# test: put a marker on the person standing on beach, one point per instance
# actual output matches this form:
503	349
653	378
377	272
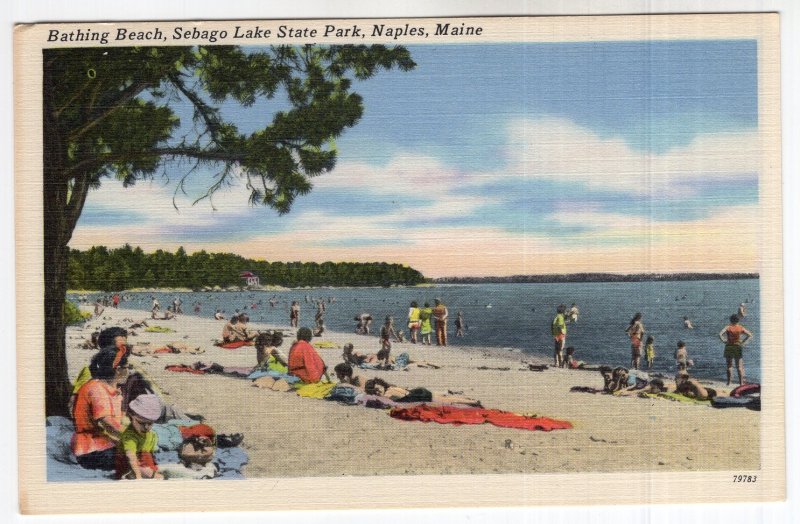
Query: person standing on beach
460	324
558	328
425	328
413	321
440	314
650	351
635	331
294	314
115	300
735	336
156	307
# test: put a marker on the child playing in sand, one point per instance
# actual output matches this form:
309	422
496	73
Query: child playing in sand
682	356
650	351
138	442
572	363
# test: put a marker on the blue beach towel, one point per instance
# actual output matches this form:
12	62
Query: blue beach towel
291	379
63	467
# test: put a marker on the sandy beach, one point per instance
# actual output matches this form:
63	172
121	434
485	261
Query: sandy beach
289	436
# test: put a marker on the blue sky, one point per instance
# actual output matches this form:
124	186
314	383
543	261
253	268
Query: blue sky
600	148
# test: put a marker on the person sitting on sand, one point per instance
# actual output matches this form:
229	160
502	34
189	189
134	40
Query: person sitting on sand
229	330
381	388
572	363
304	361
689	387
267	353
236	330
351	357
114	339
345	375
138	443
97	412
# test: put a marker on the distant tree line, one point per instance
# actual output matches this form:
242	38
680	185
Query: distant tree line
104	269
595	277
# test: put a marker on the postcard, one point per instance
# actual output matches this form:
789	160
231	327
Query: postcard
399	263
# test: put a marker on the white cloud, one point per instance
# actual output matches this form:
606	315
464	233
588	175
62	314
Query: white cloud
546	148
557	148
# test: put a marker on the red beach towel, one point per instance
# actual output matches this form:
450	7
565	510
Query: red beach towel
183	368
458	416
237	344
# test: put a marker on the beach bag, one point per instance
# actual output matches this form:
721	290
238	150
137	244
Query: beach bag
343	394
196	450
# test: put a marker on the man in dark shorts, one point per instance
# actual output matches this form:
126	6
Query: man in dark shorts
735	336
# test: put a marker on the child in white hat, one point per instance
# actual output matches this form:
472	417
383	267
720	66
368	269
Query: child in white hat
138	443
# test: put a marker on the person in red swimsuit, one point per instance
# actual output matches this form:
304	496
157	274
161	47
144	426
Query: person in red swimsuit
734	335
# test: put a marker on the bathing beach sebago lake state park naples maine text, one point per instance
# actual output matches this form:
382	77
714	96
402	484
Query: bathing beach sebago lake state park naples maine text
257	34
498	260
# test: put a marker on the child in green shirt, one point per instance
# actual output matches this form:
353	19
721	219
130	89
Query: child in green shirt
138	443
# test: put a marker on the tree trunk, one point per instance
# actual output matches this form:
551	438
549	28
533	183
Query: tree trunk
57	384
57	387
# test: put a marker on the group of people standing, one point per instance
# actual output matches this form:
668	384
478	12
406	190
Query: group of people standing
734	336
420	322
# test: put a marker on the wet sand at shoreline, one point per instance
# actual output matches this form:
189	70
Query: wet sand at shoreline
289	436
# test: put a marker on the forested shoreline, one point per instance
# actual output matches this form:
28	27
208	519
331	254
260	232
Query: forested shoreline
594	277
103	269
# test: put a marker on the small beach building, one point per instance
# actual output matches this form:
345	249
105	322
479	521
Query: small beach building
251	278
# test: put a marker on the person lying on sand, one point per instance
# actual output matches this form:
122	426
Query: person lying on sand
690	387
356	359
346	376
381	388
620	379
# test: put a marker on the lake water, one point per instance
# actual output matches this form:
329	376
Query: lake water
519	315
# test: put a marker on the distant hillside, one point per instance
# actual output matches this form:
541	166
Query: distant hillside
594	277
